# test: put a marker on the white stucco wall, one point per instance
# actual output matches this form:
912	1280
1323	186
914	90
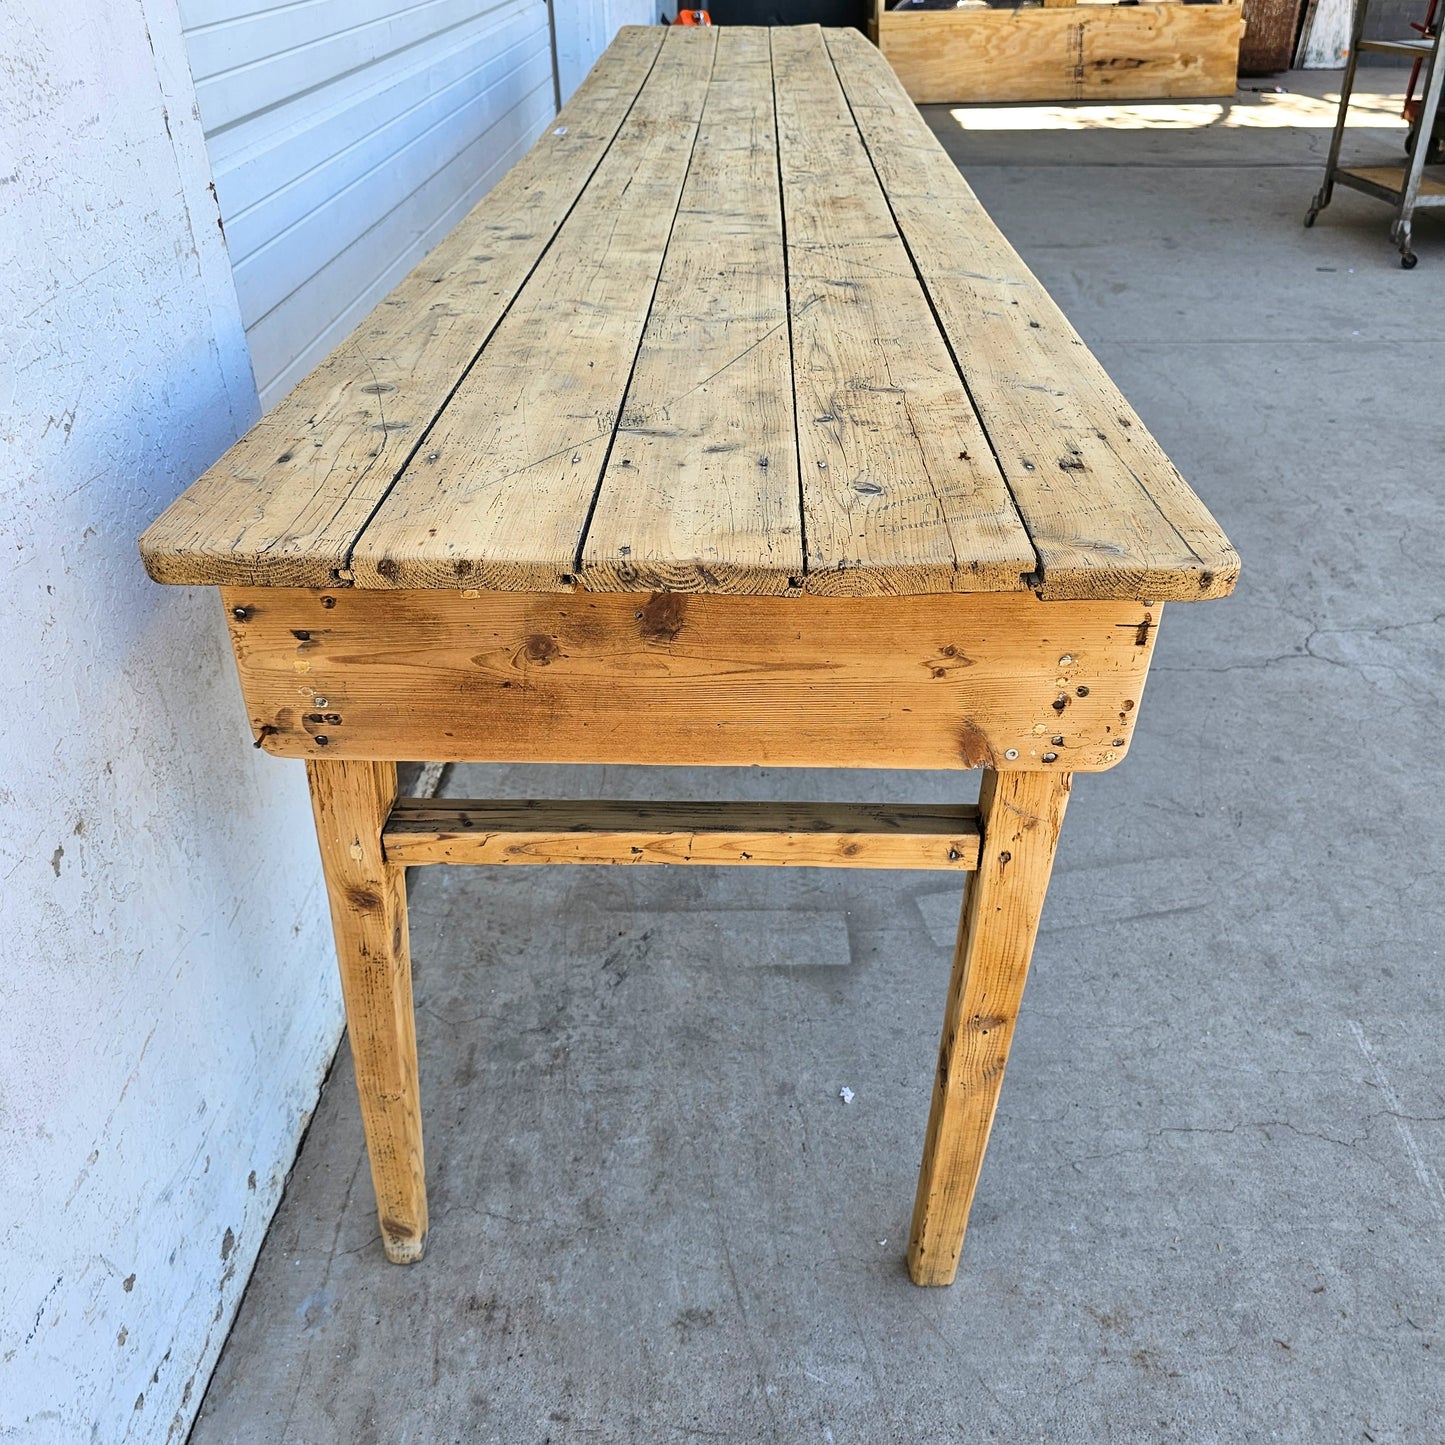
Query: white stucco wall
167	992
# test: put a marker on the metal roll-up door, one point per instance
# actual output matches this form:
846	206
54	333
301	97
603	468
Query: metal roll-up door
347	137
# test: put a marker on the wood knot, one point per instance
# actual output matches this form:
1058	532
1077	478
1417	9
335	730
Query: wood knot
661	616
974	749
541	649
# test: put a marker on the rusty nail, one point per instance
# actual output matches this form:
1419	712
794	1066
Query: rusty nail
1082	691
321	740
1057	740
328	602
1117	743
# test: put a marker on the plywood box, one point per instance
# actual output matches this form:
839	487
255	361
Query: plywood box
1062	51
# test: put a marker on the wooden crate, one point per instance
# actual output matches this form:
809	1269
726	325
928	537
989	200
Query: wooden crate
1063	51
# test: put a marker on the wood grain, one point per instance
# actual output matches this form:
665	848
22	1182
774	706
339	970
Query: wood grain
701	488
816	835
949	681
351	801
1064	52
1105	508
901	493
500	493
285	504
1021	815
730	328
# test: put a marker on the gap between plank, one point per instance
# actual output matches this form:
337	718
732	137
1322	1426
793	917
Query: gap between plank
1035	579
647	316
1139	483
492	331
788	312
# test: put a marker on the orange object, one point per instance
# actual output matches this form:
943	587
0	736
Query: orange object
693	17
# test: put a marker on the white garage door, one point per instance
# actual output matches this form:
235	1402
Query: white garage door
346	138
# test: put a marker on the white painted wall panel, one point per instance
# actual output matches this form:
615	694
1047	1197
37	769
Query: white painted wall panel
346	138
410	231
585	29
168	993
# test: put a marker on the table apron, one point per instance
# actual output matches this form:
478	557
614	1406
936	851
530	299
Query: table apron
945	681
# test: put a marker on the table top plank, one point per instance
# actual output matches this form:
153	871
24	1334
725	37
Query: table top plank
701	489
1103	504
736	324
900	490
500	491
286	503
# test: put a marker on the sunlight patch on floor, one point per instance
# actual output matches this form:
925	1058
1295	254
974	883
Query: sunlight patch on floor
1263	111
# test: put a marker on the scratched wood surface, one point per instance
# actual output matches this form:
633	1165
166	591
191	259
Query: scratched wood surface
819	835
945	681
735	325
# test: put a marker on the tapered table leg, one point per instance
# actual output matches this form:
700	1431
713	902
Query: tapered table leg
368	912
1020	815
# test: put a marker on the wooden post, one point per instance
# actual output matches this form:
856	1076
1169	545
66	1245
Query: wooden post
1020	814
368	912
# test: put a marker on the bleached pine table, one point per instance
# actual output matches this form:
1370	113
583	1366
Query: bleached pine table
726	430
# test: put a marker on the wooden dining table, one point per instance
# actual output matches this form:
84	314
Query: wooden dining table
726	430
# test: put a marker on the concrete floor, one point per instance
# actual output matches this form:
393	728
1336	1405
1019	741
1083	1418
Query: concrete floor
1213	1206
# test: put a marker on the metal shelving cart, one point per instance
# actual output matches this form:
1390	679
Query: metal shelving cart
1407	188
